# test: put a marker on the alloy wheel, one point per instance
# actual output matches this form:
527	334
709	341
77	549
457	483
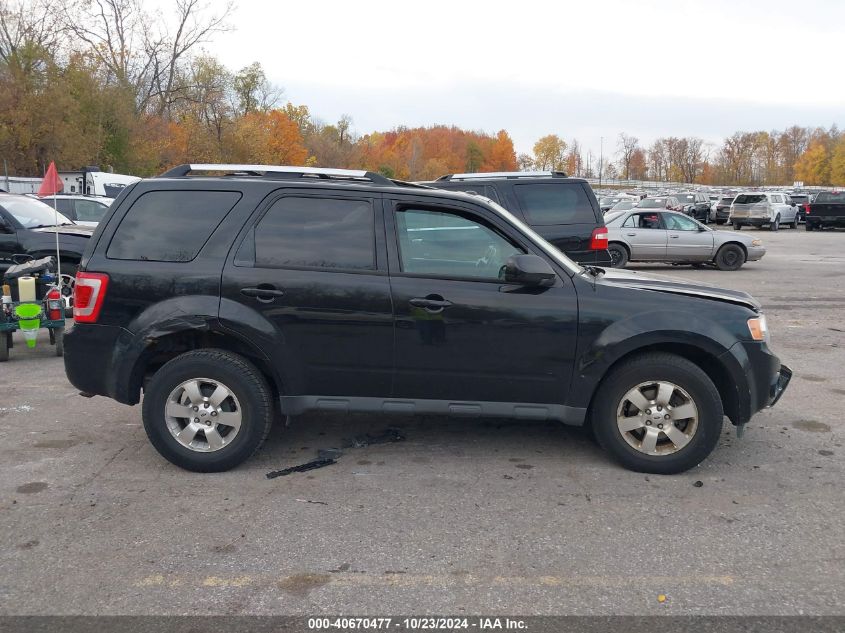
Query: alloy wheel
203	415
657	418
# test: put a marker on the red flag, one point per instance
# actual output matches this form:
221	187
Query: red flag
51	184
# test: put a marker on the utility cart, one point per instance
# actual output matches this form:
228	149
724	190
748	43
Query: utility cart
31	301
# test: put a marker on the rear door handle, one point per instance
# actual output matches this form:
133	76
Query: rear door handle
430	304
674	237
263	292
631	234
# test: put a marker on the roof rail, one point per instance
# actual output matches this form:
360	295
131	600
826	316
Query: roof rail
281	171
504	174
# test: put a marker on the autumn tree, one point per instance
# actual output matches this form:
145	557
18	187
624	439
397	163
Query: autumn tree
550	153
837	164
813	166
265	138
502	156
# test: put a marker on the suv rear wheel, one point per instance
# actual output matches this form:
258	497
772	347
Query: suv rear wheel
207	410
618	255
657	413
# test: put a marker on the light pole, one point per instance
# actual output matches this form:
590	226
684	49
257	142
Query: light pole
601	159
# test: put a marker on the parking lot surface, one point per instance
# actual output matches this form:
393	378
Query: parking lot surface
462	517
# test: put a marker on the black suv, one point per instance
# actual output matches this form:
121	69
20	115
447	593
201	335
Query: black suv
270	291
563	210
723	209
695	205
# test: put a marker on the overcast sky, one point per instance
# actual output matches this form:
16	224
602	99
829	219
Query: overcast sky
582	69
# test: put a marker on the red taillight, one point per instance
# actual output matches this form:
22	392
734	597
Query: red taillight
54	304
598	240
88	294
806	208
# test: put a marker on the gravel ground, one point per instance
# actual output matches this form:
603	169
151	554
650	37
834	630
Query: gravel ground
462	517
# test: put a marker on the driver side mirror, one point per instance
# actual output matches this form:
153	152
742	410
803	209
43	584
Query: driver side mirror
5	227
529	270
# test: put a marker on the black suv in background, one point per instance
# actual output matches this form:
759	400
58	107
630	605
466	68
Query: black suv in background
723	209
563	210
277	290
695	205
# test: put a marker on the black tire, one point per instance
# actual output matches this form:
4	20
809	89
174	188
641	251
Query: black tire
244	381
59	340
729	257
737	226
4	347
774	226
618	255
657	367
794	223
808	227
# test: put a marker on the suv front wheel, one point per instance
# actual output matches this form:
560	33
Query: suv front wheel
657	413
207	410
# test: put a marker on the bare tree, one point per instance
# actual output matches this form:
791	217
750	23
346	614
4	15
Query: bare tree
627	145
150	62
27	31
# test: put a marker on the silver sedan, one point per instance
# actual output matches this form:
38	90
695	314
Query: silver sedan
653	235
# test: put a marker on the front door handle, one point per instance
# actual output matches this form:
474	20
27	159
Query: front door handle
265	293
631	234
674	237
432	303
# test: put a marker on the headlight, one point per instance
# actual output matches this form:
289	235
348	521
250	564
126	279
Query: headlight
758	328
756	242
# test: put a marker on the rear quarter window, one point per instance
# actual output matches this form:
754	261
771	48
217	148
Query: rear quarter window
170	226
547	204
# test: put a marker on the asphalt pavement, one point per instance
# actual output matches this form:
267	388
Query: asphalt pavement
462	517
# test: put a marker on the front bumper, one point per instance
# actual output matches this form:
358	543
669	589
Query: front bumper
755	253
780	384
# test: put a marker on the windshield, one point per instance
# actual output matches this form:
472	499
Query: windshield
550	250
726	200
32	213
754	198
686	198
623	205
652	203
608	201
613	217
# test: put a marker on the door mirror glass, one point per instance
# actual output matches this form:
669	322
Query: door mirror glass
529	270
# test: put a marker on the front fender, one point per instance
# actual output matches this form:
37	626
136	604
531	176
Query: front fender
663	328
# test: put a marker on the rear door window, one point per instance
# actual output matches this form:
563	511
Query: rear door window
170	226
306	232
548	204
